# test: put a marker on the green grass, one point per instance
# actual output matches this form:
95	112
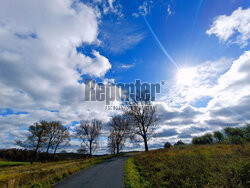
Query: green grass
43	174
11	163
190	166
132	176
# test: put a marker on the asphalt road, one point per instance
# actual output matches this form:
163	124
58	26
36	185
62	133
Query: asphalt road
107	174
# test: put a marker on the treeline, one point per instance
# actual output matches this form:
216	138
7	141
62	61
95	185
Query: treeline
137	123
228	136
25	155
45	137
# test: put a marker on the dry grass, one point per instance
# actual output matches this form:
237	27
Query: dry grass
193	166
43	174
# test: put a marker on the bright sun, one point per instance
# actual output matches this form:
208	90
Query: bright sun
185	76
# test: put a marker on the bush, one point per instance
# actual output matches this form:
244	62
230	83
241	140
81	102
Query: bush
167	145
179	143
237	135
218	136
205	139
247	132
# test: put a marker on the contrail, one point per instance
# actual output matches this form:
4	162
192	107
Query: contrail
161	46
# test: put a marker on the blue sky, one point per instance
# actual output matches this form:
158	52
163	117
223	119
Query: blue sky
182	34
199	47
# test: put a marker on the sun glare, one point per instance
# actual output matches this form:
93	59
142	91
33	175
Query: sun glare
185	76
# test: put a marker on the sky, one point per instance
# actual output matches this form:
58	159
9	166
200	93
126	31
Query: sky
200	48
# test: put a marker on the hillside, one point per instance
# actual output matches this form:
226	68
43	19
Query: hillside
190	166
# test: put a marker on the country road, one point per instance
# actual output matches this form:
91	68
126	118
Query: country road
106	174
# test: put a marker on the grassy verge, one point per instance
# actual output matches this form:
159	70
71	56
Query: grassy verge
132	176
43	174
191	166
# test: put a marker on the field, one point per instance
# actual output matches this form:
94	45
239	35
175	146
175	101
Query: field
191	166
10	163
22	174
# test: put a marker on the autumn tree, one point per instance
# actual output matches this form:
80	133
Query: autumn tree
119	130
36	139
89	132
142	116
52	129
61	139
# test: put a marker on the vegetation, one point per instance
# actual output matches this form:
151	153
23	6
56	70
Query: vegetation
167	145
49	135
24	155
89	132
42	174
131	174
119	130
11	163
142	117
179	143
191	166
232	136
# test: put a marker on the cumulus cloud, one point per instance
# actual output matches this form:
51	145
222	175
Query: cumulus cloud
234	28
228	89
40	68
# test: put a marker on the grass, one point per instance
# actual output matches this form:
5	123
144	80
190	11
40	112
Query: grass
131	174
190	166
43	174
10	163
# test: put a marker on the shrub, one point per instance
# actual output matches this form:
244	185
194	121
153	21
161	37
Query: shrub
167	145
179	143
236	135
205	139
218	136
247	132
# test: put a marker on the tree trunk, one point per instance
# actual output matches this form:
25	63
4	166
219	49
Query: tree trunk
145	137
90	148
145	143
34	155
54	154
118	149
47	151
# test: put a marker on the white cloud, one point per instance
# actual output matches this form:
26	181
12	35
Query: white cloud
40	67
124	66
169	10
119	36
145	8
97	66
234	28
233	90
226	82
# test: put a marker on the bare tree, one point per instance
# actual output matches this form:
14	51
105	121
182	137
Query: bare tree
119	130
88	132
111	143
143	119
